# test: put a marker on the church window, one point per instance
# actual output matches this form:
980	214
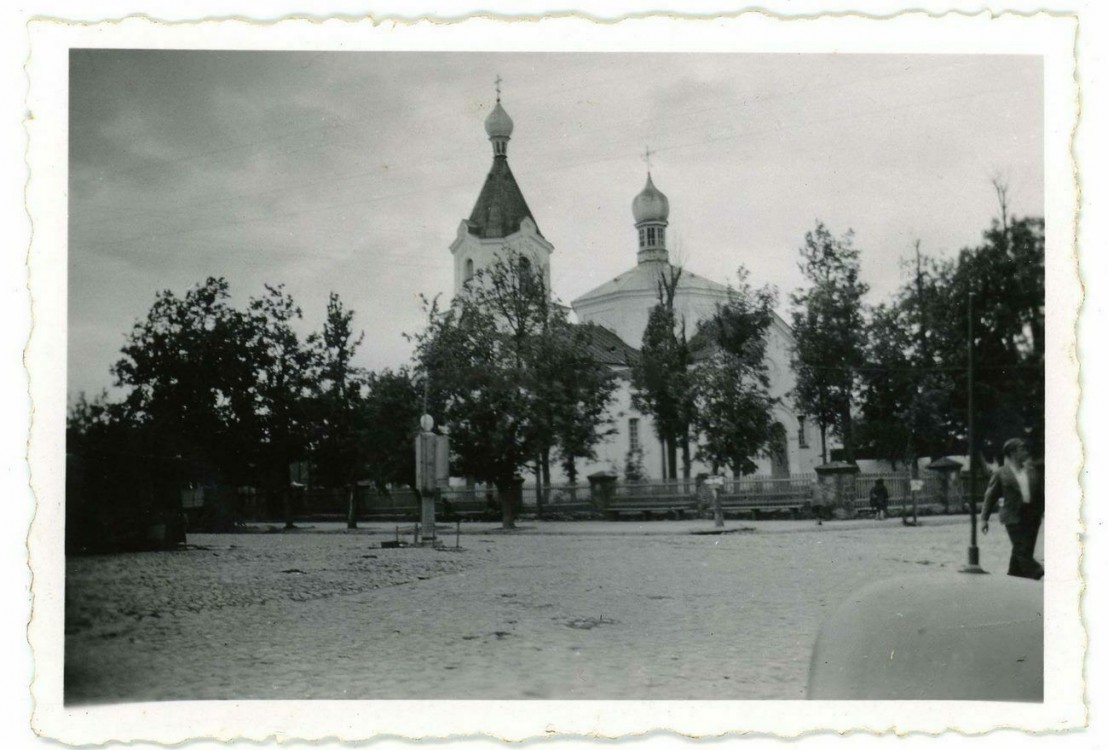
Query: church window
642	238
469	268
661	236
633	434
801	432
650	236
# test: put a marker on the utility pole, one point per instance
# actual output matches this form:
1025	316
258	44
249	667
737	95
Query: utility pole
973	564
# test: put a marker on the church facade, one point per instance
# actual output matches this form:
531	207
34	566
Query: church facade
502	222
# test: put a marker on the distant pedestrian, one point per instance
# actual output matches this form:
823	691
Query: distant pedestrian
1018	488
879	500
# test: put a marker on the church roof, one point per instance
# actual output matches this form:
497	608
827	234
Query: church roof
606	347
500	207
643	277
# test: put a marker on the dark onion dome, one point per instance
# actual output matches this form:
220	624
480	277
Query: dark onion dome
498	124
651	204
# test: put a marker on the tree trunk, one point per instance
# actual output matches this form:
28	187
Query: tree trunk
506	490
351	506
823	440
686	459
288	509
538	486
671	459
848	437
545	480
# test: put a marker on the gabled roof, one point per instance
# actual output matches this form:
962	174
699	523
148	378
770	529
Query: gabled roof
606	347
500	207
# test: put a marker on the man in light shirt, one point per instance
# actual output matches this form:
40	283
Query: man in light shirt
1017	487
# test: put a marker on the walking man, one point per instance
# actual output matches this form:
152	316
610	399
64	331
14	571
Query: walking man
1018	487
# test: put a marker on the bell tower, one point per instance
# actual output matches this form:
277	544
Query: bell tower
501	219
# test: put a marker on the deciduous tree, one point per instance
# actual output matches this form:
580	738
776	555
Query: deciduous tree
829	332
733	404
661	378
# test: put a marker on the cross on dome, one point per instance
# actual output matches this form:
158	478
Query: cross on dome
646	158
498	125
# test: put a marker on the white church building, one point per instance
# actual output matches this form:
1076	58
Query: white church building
501	221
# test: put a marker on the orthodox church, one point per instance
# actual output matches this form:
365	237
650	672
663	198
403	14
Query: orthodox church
619	309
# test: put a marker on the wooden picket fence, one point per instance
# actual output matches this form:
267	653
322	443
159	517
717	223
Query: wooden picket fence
793	495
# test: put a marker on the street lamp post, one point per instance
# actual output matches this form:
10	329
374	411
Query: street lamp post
973	564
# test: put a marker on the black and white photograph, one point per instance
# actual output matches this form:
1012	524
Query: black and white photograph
442	374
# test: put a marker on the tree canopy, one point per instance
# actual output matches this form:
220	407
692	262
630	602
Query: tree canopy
510	376
829	332
734	409
915	387
661	378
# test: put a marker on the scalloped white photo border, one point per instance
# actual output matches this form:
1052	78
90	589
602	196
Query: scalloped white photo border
1052	36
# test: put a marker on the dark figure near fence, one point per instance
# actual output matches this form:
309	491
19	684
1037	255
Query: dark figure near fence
879	500
1018	488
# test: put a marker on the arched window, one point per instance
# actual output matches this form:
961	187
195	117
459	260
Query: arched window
469	269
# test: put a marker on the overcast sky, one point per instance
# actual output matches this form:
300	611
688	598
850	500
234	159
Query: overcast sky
350	172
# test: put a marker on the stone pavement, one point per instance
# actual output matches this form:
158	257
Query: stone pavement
589	610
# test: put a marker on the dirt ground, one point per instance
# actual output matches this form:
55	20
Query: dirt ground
588	610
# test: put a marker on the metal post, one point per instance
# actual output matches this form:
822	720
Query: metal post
973	564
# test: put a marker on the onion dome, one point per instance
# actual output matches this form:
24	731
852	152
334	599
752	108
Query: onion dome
498	124
651	204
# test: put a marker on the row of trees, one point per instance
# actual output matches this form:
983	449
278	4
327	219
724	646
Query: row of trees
891	380
236	396
888	381
217	393
517	384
